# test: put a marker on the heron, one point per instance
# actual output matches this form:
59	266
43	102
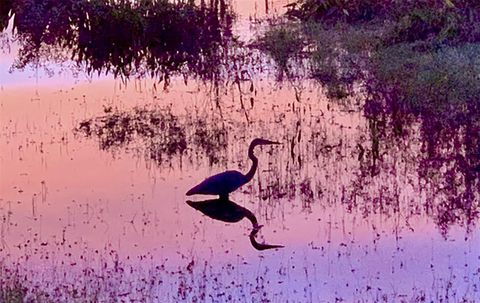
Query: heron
223	184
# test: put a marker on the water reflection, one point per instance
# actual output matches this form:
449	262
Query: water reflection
228	211
156	133
443	149
303	193
378	163
261	246
224	210
357	195
419	129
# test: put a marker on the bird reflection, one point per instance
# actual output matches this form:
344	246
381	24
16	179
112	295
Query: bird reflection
227	211
260	246
224	183
224	210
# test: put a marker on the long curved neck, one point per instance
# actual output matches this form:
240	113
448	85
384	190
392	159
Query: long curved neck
253	169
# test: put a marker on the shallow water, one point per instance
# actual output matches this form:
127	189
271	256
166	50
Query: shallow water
68	205
102	213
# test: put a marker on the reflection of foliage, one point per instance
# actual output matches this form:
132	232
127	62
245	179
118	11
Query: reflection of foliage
160	130
442	88
211	140
419	75
157	132
446	157
127	38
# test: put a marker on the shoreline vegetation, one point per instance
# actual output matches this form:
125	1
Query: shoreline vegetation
415	65
129	39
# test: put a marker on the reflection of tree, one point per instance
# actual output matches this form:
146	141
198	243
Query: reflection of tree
212	141
450	165
160	129
126	38
446	160
402	162
398	164
422	112
158	134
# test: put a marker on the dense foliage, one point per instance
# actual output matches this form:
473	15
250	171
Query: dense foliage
127	38
416	66
416	19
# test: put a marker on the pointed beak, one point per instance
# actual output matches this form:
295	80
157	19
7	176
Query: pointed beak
271	142
260	141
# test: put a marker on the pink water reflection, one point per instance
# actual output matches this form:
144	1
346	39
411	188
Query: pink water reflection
65	200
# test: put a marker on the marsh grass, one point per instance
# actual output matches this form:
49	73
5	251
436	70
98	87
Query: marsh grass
283	43
12	290
197	280
444	81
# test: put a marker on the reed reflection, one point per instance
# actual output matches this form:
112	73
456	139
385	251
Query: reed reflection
228	211
157	134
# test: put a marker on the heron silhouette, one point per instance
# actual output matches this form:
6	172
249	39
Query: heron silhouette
224	183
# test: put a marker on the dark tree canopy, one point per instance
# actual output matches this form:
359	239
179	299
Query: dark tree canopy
147	37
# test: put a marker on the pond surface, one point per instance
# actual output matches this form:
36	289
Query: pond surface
92	197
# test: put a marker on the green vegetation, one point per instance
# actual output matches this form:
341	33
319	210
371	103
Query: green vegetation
349	40
439	81
282	43
425	52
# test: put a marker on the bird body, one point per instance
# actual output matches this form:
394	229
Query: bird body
223	184
220	184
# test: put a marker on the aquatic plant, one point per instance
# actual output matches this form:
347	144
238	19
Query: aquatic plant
282	43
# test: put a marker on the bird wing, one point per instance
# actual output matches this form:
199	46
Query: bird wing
219	184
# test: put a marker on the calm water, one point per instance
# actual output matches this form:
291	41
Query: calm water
102	212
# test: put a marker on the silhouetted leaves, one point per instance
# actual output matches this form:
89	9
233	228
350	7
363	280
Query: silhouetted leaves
126	38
